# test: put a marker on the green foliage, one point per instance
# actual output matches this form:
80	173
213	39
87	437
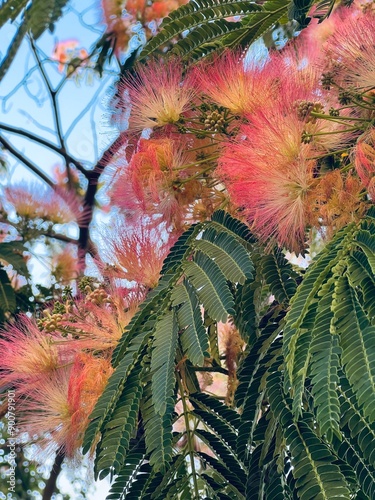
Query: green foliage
194	341
153	332
7	295
302	422
207	24
205	19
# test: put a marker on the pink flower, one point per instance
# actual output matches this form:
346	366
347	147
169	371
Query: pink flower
352	48
87	381
267	172
46	413
158	94
137	255
364	155
55	411
58	205
227	82
67	50
150	184
27	354
66	265
97	324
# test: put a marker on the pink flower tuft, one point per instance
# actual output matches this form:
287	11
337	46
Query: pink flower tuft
150	183
65	265
27	354
158	94
352	48
364	155
87	381
268	173
137	255
58	205
228	82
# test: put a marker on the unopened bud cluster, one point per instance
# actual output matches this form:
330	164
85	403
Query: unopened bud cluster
305	108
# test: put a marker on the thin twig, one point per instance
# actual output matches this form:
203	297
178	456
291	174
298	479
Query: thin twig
56	115
14	152
43	142
56	469
215	369
103	162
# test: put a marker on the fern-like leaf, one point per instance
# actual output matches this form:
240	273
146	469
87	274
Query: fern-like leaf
194	339
361	276
357	343
10	10
134	468
119	430
158	432
316	474
221	419
225	457
361	430
114	389
42	14
211	286
325	359
306	297
196	13
7	294
233	260
349	452
279	276
163	362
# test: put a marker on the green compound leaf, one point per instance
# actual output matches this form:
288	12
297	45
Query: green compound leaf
163	362
194	338
211	286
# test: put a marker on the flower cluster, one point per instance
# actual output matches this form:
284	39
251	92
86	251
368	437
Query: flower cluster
61	363
288	143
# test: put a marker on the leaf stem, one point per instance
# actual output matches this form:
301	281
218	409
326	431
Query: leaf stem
189	436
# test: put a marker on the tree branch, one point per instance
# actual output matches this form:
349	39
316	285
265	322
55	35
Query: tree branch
217	369
55	471
89	201
56	115
61	237
47	144
14	152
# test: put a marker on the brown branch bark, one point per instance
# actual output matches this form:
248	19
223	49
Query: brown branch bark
84	242
52	480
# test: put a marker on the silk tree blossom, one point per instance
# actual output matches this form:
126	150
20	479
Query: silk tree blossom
158	94
87	381
67	51
58	205
337	200
56	410
352	49
27	354
268	173
65	264
96	324
157	182
46	413
137	255
226	81
364	160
